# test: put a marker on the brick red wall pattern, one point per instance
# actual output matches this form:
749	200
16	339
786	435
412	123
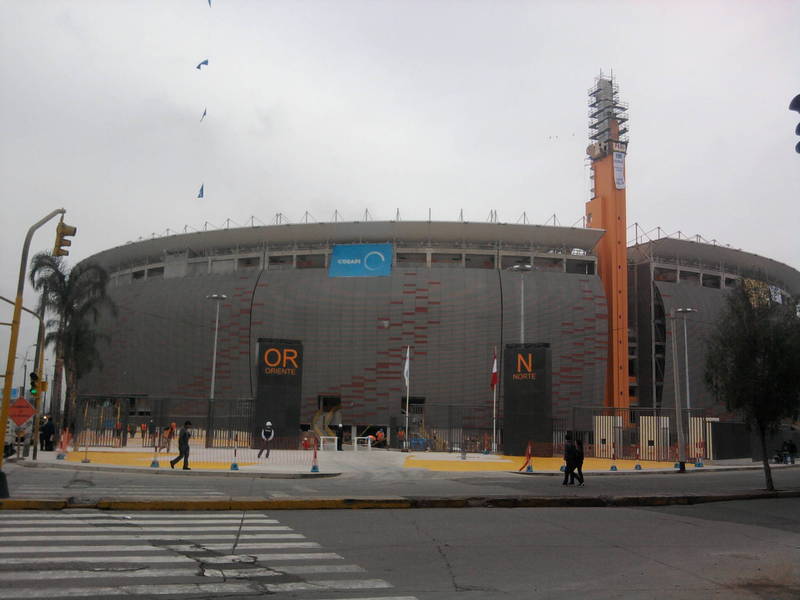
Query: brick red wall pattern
354	332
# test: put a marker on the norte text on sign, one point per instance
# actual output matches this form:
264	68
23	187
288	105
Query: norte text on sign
524	366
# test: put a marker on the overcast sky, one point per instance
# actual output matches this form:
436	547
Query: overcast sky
385	105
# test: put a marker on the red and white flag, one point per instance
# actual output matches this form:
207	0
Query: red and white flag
407	366
494	371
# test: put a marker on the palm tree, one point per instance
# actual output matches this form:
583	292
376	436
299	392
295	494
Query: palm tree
75	298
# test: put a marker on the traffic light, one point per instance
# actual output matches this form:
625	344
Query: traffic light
34	387
62	231
795	105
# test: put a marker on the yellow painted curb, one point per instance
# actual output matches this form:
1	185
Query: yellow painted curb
162	504
338	503
250	504
22	504
541	464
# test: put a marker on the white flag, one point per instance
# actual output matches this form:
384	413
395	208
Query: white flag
407	365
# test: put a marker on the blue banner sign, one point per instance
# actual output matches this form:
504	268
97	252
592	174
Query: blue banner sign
361	260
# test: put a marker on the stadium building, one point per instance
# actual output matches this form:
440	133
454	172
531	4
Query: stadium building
317	320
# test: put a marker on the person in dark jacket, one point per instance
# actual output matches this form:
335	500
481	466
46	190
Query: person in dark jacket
46	434
183	446
578	464
267	433
570	458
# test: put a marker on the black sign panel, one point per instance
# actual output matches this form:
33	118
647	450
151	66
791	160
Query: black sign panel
527	408
280	386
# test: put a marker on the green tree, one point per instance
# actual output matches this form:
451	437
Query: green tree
74	297
753	362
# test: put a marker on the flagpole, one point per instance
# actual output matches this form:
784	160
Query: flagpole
494	407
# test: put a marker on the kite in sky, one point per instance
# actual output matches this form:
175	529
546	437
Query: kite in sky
205	62
200	194
204	115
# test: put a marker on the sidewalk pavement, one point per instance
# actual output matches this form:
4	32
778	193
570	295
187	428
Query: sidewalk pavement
300	462
376	479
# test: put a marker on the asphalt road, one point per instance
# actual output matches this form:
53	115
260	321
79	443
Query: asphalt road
26	482
731	550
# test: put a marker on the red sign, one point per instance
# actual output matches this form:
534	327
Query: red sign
20	411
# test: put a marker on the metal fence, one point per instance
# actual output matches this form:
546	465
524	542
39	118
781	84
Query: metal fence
151	424
121	422
635	433
447	428
223	431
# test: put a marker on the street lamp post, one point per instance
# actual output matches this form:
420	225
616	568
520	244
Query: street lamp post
676	380
209	437
520	268
683	312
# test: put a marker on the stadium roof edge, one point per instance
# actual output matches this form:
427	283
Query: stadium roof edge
747	263
545	236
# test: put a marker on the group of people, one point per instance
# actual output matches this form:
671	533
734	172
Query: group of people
788	452
573	457
185	434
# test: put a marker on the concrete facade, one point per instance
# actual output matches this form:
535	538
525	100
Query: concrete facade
355	330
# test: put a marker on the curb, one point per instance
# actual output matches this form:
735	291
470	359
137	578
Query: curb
700	471
173	472
222	504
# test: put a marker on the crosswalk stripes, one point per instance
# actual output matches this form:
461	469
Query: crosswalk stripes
91	554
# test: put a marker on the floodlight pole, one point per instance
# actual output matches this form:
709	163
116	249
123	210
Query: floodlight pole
684	312
677	391
494	405
12	344
209	437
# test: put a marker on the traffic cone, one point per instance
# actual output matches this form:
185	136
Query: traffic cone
613	458
62	445
528	464
314	462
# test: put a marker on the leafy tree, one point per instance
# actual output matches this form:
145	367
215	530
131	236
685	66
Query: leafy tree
753	362
74	297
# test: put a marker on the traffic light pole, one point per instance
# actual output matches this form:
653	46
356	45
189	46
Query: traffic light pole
37	418
12	344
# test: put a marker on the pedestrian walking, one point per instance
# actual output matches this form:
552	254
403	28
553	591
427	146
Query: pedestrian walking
46	435
570	458
267	433
578	472
792	449
183	446
165	439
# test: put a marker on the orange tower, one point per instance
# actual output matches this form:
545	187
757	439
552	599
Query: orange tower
606	210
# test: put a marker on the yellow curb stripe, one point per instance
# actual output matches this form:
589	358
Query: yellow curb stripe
31	504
